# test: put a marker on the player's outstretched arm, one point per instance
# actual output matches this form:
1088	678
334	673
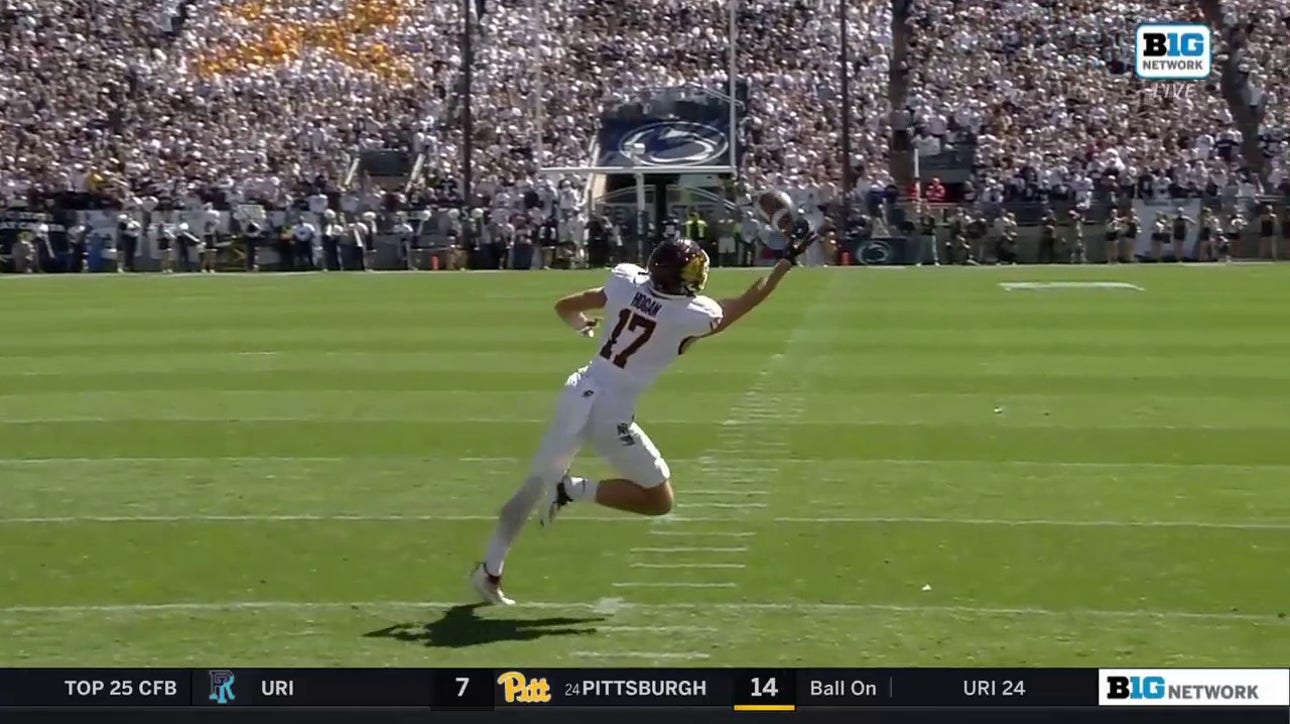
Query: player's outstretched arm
800	237
572	309
734	308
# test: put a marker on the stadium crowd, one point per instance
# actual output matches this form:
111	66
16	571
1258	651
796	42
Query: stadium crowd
260	98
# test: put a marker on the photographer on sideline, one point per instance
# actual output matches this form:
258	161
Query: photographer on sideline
128	233
24	253
186	240
163	239
253	235
303	238
368	257
406	236
333	240
928	248
76	236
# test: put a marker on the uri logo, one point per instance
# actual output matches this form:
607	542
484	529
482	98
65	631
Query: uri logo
222	686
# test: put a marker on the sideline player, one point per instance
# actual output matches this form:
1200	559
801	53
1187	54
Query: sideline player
656	314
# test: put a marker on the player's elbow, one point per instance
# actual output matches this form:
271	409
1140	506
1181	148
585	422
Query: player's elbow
584	301
568	306
733	310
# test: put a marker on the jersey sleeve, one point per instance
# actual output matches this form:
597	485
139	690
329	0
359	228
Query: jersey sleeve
628	272
622	283
707	315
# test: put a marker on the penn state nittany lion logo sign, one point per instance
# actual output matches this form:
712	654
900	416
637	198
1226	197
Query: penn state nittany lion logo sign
676	143
875	252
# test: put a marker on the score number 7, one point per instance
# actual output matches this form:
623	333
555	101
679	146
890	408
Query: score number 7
630	321
464	681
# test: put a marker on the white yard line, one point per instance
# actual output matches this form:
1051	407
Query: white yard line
703	533
620	606
747	424
1041	522
688	565
658	629
215	459
856	520
304	517
691	549
1040	286
321	417
670	584
661	655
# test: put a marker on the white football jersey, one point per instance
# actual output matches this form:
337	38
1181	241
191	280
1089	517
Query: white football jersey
644	329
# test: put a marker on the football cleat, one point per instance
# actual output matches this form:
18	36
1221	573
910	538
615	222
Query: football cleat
489	587
556	498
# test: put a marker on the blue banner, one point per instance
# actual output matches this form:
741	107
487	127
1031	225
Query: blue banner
688	134
883	251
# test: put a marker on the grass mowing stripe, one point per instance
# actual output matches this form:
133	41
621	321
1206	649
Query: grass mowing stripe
620	606
1093	465
855	520
188	418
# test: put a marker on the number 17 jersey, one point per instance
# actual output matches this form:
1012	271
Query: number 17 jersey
644	331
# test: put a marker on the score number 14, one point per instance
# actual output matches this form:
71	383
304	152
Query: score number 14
767	688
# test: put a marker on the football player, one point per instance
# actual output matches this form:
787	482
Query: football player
654	316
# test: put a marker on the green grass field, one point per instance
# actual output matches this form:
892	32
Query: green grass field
907	467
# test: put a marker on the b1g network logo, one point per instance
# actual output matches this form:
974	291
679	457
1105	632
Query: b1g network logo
1194	687
1173	51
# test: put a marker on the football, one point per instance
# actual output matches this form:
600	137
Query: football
776	209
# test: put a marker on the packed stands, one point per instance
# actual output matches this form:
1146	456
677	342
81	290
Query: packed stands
258	97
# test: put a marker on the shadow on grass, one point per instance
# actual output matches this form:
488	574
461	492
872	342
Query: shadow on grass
459	627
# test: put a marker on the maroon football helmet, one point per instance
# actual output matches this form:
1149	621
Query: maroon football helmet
678	266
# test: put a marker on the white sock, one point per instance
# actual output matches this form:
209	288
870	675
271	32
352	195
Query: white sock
510	521
581	489
496	558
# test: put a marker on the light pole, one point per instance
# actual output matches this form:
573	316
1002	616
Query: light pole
467	117
634	154
846	113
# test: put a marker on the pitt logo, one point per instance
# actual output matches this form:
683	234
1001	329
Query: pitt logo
517	689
